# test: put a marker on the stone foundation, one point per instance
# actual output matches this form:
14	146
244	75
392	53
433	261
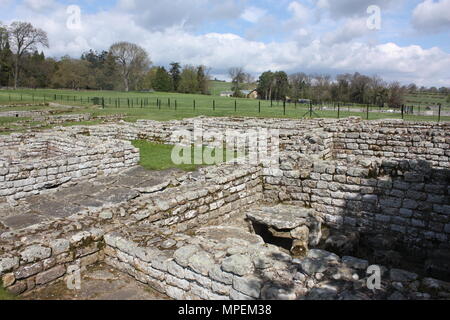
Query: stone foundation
30	163
384	178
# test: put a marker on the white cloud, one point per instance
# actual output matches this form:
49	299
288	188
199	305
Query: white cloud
39	5
353	28
300	12
349	8
334	53
253	14
432	16
161	14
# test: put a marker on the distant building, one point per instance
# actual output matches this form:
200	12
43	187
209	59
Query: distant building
250	94
228	94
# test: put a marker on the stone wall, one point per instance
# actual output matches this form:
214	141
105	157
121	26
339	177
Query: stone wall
220	194
216	195
44	258
406	199
395	139
204	268
306	137
30	163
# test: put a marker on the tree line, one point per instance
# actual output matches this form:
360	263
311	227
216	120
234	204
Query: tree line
124	66
128	67
347	88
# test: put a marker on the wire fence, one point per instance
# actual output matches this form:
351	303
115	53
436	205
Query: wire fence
210	106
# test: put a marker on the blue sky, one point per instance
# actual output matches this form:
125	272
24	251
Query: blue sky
312	36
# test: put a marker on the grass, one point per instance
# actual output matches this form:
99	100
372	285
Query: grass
9	120
219	86
427	99
159	156
5	295
180	106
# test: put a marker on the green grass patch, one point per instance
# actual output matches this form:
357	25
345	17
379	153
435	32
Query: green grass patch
9	120
4	294
158	157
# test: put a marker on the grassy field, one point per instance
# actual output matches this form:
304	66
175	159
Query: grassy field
219	86
427	99
172	106
159	156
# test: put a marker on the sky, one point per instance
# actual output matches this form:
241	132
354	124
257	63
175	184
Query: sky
398	40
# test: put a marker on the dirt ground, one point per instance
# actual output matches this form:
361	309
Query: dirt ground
99	282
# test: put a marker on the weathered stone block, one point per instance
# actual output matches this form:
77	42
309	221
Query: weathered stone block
35	253
50	275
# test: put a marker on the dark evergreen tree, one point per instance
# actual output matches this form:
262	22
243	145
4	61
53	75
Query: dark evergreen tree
162	81
175	74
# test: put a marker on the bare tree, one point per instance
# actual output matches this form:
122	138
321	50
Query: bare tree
300	83
24	38
238	77
378	94
396	95
133	60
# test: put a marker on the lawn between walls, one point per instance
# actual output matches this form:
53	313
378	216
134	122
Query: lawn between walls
158	157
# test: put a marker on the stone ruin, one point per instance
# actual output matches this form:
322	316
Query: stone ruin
345	195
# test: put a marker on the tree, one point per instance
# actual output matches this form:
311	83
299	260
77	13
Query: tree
189	80
102	69
412	88
443	90
133	62
203	79
359	88
378	94
162	81
344	81
37	71
5	57
148	79
299	85
72	74
238	78
396	95
266	83
175	74
24	38
281	85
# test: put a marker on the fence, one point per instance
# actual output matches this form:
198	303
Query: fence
210	106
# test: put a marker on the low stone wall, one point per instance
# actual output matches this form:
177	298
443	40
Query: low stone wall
406	199
203	269
395	139
23	114
215	196
33	162
41	261
307	137
221	193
